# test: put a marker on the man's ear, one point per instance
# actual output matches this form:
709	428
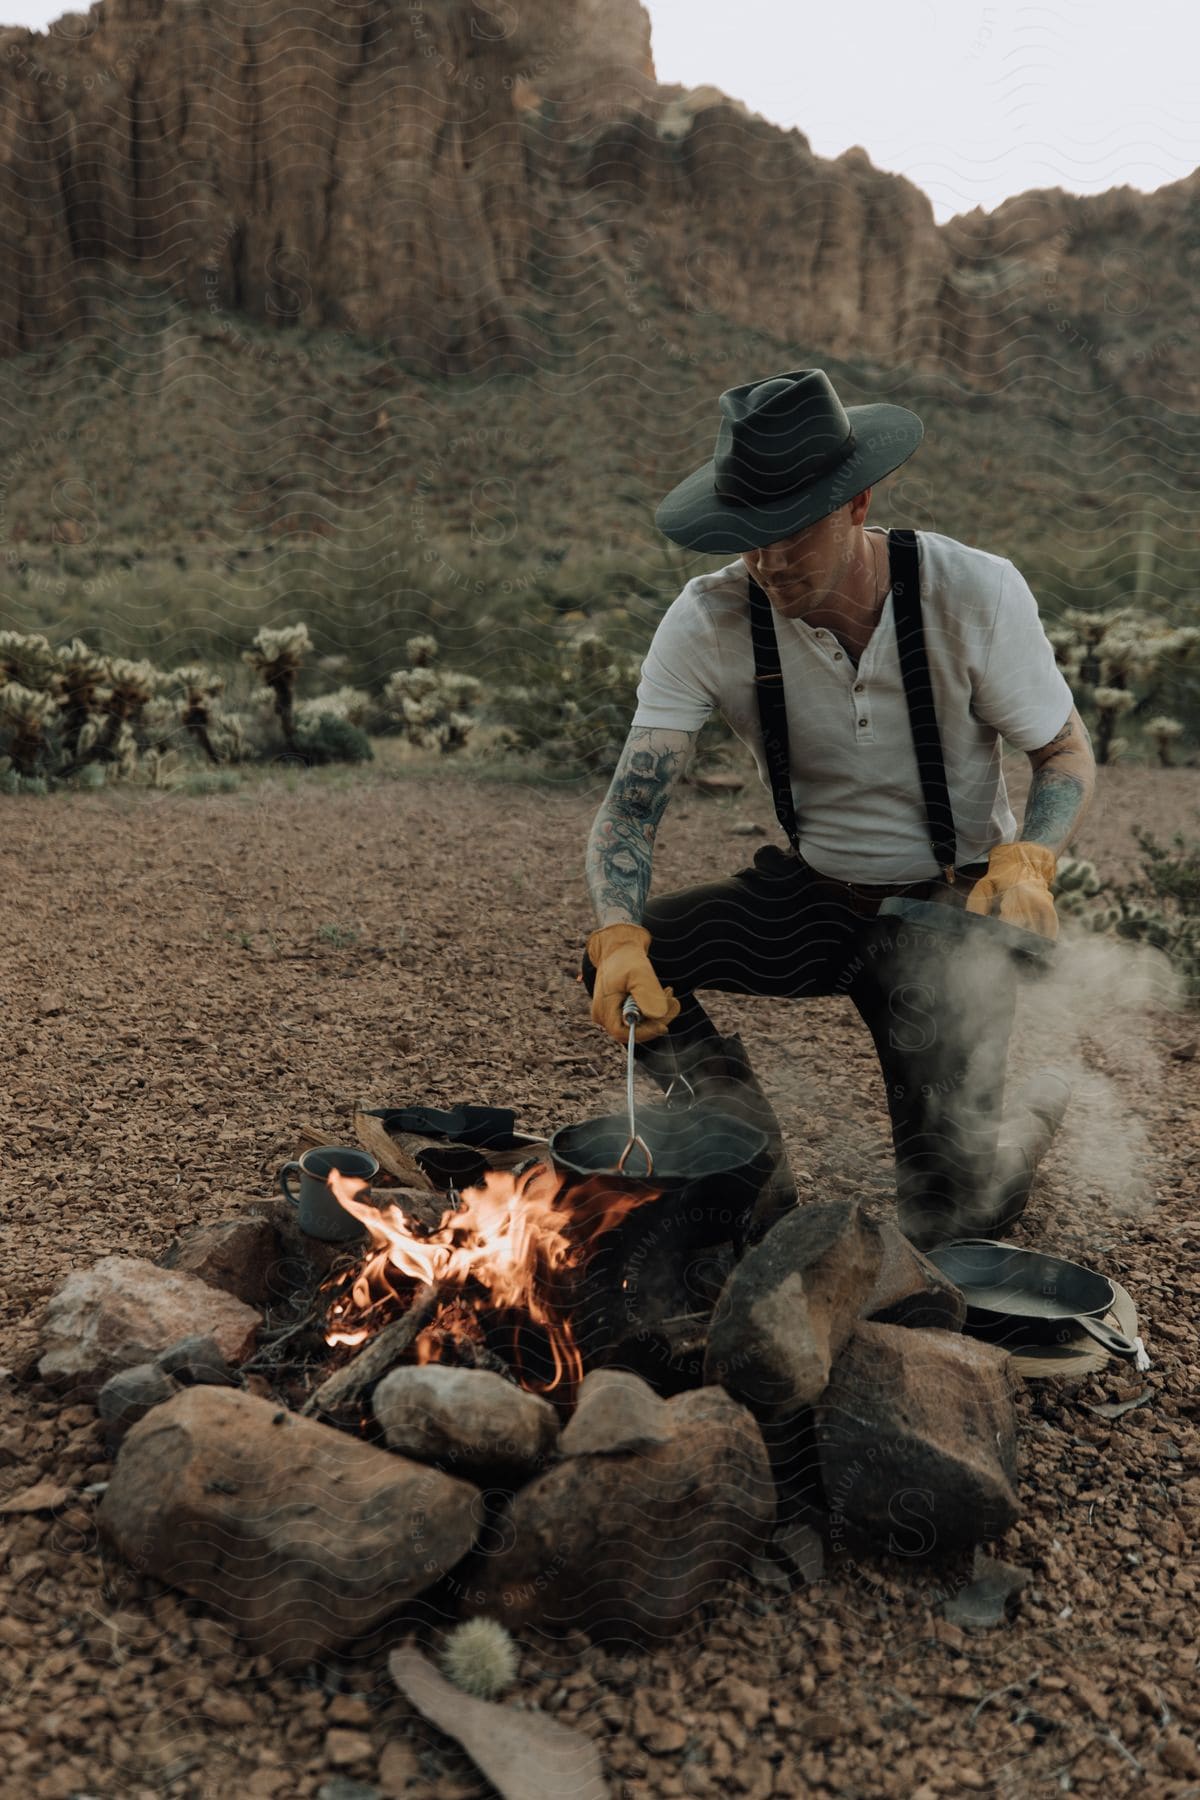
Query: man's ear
859	505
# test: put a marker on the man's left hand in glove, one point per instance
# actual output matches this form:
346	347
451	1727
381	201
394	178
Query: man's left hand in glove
1016	887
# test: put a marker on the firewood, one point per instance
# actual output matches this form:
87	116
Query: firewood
389	1155
350	1386
312	1139
425	1206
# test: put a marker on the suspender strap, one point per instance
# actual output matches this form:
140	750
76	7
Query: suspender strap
772	711
918	691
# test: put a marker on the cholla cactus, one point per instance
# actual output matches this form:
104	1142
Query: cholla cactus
431	706
1163	732
573	706
1161	909
277	656
410	684
1123	652
200	688
421	650
111	735
1110	703
1076	880
27	660
230	732
26	715
348	703
129	687
77	681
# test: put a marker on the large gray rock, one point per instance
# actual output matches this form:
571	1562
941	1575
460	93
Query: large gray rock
129	1395
194	1360
615	1411
910	1290
470	1420
916	1439
125	1311
790	1305
301	1537
634	1542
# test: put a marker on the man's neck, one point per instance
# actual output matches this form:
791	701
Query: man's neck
858	608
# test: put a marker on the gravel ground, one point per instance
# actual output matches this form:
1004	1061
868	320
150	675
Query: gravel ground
191	979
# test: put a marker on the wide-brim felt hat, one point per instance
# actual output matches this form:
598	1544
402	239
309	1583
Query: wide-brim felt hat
787	454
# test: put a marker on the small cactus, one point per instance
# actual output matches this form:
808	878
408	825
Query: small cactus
480	1657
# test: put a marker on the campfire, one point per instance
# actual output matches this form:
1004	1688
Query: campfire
558	1399
506	1258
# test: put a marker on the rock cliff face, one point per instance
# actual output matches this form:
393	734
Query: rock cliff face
467	182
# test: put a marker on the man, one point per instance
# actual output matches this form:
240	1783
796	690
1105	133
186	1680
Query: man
898	788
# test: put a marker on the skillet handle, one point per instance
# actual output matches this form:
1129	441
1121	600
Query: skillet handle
1114	1341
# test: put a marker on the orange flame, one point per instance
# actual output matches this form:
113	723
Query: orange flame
509	1238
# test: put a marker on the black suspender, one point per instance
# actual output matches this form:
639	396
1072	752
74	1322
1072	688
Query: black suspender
918	692
772	711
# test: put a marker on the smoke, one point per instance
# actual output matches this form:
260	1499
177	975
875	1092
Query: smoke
1092	1016
1089	1015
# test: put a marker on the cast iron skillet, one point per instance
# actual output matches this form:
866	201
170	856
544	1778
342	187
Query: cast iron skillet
1031	1294
1031	951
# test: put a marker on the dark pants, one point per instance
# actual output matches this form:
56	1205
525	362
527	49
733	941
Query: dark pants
940	1023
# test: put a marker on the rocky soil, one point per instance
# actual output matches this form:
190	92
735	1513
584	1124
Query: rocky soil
188	981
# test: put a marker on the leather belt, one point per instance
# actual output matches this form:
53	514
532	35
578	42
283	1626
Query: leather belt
865	897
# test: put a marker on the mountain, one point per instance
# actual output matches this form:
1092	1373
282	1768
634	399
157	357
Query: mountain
267	263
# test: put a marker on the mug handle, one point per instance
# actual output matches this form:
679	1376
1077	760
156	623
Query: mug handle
285	1190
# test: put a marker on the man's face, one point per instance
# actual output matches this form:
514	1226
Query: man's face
802	573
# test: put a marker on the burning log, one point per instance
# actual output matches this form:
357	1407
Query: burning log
351	1385
510	1251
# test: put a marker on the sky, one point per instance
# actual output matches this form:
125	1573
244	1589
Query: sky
971	101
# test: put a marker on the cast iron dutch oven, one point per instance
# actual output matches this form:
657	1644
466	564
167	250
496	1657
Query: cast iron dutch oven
708	1164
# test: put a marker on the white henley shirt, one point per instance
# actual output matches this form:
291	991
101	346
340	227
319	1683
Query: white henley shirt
858	797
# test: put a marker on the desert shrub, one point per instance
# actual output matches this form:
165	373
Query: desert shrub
330	739
1159	907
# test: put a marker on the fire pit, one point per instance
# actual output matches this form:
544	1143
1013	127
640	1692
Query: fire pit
558	1400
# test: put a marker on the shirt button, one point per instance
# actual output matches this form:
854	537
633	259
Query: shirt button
860	687
838	657
862	721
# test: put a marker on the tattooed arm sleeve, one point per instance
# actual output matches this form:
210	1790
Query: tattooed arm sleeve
1064	776
620	849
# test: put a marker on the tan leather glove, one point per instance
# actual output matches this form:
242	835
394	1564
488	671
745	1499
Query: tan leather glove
622	967
1016	888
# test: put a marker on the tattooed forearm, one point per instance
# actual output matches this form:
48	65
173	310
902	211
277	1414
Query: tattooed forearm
1064	776
620	849
1057	798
